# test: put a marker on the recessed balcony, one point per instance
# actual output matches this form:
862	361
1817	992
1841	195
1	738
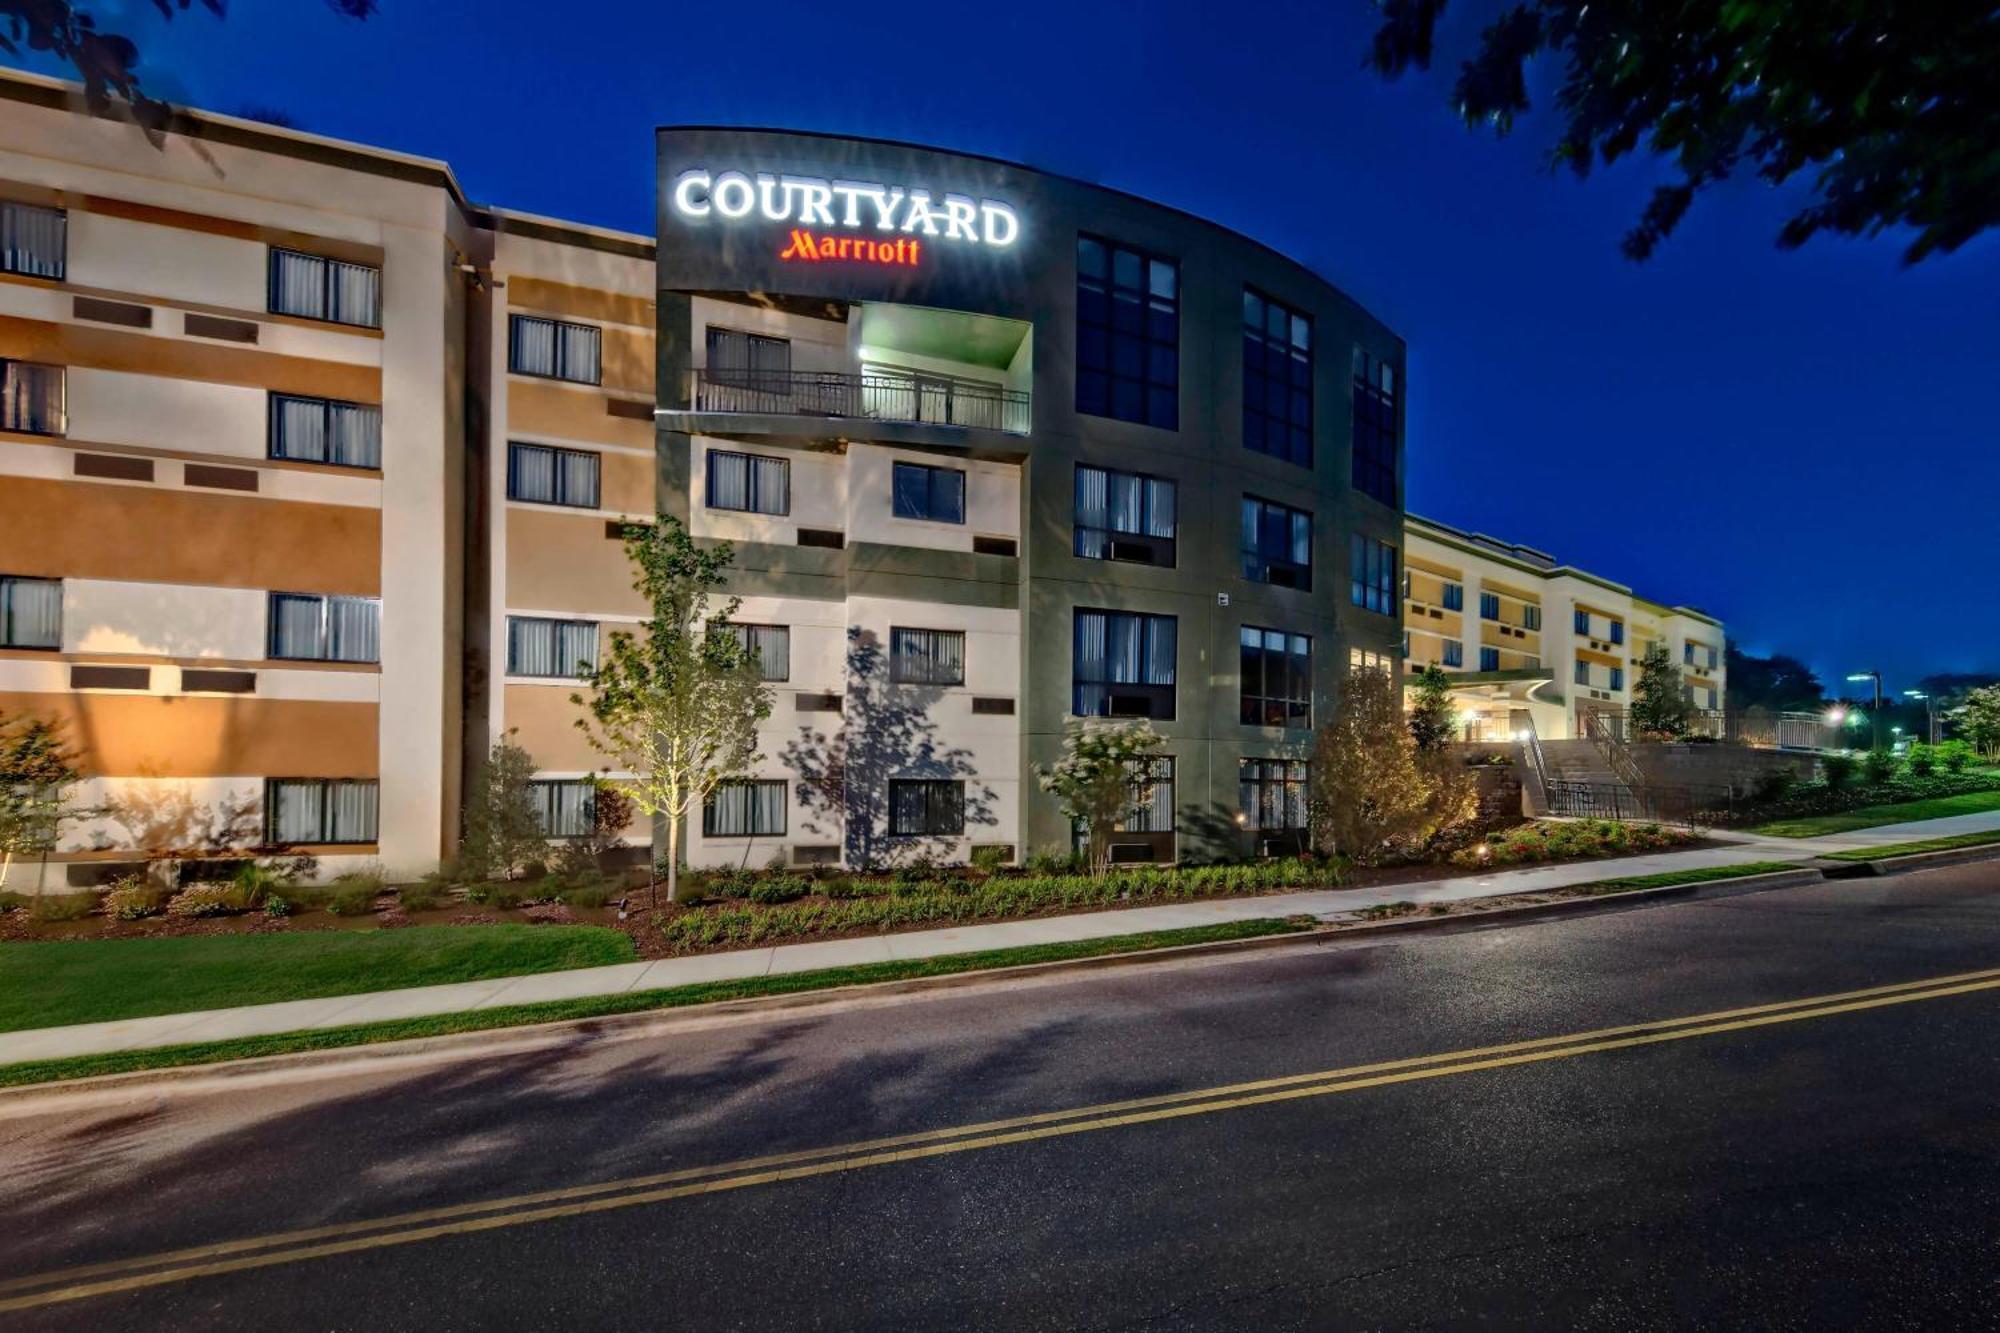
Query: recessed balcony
869	395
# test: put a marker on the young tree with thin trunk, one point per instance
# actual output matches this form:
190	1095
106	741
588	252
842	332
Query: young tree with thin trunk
1105	770
503	829
1433	719
1660	707
38	771
676	707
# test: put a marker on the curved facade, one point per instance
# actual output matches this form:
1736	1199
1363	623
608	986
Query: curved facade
996	449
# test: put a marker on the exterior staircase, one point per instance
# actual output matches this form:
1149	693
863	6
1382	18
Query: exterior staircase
1578	761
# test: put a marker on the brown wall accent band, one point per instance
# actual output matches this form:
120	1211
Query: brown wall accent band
110	678
546	407
993	707
562	562
114	467
210	681
540	296
822	537
215	326
113	312
68	529
221	478
184	736
630	409
115	349
995	546
352	251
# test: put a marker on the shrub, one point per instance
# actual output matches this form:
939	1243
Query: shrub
778	889
51	907
588	893
277	907
251	884
132	898
1923	759
1568	840
1053	863
203	900
1954	755
1878	766
1838	770
424	895
840	887
1774	785
989	858
353	894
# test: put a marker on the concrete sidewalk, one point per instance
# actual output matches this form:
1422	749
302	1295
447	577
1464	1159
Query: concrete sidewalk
660	974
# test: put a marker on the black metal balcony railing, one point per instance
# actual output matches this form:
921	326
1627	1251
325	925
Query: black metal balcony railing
865	395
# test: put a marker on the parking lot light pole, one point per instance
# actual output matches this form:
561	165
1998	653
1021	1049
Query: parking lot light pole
1930	713
1875	729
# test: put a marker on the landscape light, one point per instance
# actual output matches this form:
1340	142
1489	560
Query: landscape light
1837	716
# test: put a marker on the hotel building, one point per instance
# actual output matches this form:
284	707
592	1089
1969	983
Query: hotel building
312	474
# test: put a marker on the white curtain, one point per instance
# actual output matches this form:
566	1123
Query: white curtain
533	472
728	480
352	807
771	645
298	284
1087	663
549	647
1160	640
30	613
578	484
927	656
567	808
354	434
749	482
745	809
299	428
532	349
579	352
32	240
357	294
31	398
297	625
1152	796
355	625
295	812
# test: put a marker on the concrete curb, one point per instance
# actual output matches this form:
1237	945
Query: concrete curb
529	1037
1903	865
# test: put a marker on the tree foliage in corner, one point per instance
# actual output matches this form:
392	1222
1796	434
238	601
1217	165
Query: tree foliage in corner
38	771
1660	707
1889	104
1433	717
1375	795
503	827
1105	770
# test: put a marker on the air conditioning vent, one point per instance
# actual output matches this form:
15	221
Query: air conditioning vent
826	537
816	703
995	546
1124	548
1129	853
815	856
113	467
992	707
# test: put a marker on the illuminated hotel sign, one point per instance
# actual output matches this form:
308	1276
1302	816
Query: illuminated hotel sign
809	202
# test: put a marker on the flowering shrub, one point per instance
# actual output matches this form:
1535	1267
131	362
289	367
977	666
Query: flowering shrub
132	898
1570	840
202	900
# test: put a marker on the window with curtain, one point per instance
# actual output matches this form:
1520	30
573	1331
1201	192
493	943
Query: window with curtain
551	476
1531	616
1617	678
925	492
1122	665
1454	596
770	645
554	349
1583	622
1369	659
310	628
1454	653
926	807
565	807
749	483
927	656
315	287
1124	516
1489	659
1687	654
754	809
1276	544
1149	796
1127	334
1374	471
750	361
30	613
1372	573
1617	631
1276	678
318	810
1273	793
1277	379
1583	673
1489	606
34	241
324	430
32	398
557	649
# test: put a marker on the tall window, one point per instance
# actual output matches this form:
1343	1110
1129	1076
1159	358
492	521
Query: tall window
1583	622
1617	631
927	656
1374	427
551	476
1373	659
751	809
1583	673
924	492
1454	596
33	241
315	287
1122	665
1617	678
770	645
565	807
749	360
1272	794
1687	654
1489	659
555	349
1372	573
1276	678
1489	606
30	613
309	628
1531	616
31	398
322	430
1276	544
1150	796
1277	379
1454	653
557	649
1128	318
750	483
318	810
926	807
1124	516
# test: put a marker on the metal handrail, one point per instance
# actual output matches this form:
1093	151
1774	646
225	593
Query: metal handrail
1598	729
865	395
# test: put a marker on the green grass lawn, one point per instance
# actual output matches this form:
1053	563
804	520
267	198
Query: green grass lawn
1912	848
1873	816
1693	875
55	982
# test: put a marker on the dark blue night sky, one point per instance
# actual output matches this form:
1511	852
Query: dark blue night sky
1803	443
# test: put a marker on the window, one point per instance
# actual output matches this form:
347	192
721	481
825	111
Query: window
554	349
1127	334
926	808
33	241
1687	654
771	645
1124	516
1277	544
1150	807
30	613
1711	659
751	483
1372	569
1122	665
551	476
1489	659
1368	659
1617	678
1489	606
1711	701
1374	427
1454	596
927	656
309	628
1276	678
322	430
1531	616
1583	673
315	287
566	807
1617	631
31	398
1454	653
318	810
1583	623
1277	379
1272	794
749	361
745	810
933	493
556	649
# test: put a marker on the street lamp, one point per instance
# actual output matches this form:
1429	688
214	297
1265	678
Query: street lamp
1930	713
1876	676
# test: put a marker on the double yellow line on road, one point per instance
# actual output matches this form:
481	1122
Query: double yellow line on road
287	1247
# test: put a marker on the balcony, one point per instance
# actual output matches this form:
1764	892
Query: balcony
876	396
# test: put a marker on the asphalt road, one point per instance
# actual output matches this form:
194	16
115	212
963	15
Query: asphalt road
1834	1163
